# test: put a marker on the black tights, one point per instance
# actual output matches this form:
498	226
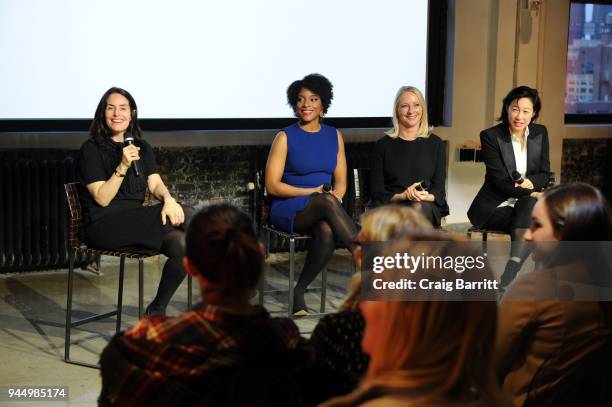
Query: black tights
325	220
515	220
519	248
173	274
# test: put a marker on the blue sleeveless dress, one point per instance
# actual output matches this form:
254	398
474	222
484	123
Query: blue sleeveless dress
311	161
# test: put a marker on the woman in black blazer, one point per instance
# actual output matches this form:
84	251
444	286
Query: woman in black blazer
515	153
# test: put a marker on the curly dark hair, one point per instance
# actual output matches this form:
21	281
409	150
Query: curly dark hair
99	129
519	93
316	83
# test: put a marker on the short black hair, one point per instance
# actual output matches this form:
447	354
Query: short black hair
519	93
316	83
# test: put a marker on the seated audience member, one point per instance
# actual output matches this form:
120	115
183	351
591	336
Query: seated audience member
225	351
548	329
337	337
428	353
407	165
515	154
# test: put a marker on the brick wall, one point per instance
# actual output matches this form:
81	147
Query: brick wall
590	161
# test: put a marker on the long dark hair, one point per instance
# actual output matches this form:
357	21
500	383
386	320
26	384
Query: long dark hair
579	212
99	128
101	135
222	245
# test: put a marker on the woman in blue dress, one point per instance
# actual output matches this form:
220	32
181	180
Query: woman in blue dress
303	158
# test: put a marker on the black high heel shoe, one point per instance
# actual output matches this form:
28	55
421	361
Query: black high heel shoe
299	305
155	310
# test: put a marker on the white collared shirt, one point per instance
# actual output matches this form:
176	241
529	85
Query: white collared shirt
520	158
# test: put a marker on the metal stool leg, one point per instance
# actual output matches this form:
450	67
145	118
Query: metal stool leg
484	242
261	287
189	292
291	274
140	287
69	305
120	293
262	279
323	288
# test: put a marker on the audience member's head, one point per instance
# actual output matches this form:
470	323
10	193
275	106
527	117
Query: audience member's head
386	222
574	212
568	212
379	225
222	251
578	212
436	348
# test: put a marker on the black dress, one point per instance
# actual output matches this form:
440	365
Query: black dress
125	224
396	164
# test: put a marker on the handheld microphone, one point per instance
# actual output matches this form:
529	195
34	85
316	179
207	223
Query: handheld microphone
327	188
129	140
517	177
551	180
422	186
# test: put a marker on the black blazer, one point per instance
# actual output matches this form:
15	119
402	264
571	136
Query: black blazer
498	156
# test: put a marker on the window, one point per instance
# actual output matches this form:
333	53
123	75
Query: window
588	94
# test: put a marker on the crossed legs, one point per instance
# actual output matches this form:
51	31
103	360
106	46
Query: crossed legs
327	222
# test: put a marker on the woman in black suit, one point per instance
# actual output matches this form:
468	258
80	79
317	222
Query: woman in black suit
515	153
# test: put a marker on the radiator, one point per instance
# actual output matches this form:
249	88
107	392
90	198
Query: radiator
33	214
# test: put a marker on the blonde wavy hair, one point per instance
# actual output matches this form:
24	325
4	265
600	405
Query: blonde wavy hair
424	130
382	224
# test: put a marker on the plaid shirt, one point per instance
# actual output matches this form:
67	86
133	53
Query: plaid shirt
193	358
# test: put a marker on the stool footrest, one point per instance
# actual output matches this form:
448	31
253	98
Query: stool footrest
93	318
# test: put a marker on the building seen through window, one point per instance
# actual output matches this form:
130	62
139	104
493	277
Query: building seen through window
588	88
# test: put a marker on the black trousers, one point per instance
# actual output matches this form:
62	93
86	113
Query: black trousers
509	218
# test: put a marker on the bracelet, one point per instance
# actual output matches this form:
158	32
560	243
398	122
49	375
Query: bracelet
120	175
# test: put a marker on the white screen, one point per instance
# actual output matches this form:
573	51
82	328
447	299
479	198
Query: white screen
206	58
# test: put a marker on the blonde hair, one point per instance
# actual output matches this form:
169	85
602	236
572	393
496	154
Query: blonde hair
444	346
424	127
381	224
386	222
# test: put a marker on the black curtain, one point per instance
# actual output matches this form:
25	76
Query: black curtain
436	60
